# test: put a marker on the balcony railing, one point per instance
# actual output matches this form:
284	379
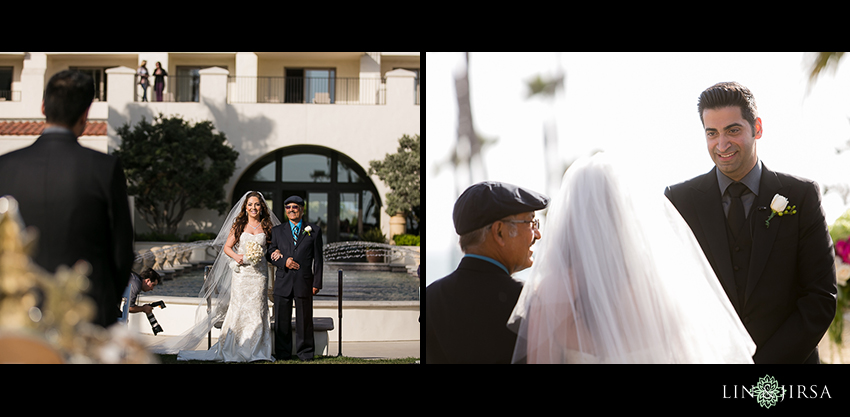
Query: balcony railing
304	90
10	95
178	88
308	90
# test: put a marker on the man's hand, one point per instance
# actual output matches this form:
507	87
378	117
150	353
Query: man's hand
291	264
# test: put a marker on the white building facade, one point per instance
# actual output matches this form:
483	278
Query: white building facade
305	123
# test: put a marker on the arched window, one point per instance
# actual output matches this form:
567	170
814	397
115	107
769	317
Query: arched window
339	195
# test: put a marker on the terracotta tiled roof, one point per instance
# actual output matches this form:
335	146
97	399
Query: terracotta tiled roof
35	128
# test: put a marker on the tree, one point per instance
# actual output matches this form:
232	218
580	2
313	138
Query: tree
172	167
821	61
400	171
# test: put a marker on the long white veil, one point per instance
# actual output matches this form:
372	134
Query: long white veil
620	278
216	288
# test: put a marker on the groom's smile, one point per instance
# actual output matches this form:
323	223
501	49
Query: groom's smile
731	140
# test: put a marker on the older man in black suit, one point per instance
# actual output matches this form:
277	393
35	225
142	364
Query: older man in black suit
763	232
467	311
76	197
296	251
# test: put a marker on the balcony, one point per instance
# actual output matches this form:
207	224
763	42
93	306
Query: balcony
179	88
9	95
297	90
307	90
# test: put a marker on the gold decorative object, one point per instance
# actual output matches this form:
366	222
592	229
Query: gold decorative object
47	318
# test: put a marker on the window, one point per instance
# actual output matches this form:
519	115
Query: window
308	85
6	83
340	197
186	84
99	77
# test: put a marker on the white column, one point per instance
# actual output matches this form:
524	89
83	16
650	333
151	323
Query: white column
214	87
244	87
121	86
370	78
400	88
33	81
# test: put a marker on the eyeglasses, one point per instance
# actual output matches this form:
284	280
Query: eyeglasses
535	224
293	207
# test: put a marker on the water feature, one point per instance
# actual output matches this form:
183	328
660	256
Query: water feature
362	281
357	286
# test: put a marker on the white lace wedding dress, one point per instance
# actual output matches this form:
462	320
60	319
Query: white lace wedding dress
245	333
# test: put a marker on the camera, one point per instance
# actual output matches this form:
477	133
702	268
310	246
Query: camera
154	325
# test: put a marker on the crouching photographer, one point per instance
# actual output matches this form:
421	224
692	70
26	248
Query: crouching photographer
146	281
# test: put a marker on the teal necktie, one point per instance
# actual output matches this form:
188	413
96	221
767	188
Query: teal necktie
295	230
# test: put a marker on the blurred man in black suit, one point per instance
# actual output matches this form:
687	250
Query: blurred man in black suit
75	196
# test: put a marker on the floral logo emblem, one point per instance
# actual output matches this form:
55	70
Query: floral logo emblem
768	391
779	206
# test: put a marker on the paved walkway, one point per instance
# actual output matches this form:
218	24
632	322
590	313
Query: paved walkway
363	350
376	350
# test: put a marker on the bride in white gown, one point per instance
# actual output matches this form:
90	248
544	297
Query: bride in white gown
237	286
620	278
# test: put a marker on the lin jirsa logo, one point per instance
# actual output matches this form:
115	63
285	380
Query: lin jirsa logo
768	393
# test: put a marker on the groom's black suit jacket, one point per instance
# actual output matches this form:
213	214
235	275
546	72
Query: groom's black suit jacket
789	300
307	253
77	199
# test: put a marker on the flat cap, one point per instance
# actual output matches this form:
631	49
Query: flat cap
294	199
488	201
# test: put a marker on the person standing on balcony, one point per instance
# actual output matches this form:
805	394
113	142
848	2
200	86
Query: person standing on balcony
159	75
143	74
75	196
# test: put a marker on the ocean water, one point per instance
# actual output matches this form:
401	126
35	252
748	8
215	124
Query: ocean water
357	285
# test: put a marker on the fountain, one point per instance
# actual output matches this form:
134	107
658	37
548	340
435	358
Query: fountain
171	260
389	257
387	281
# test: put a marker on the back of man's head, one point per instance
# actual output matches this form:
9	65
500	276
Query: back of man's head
67	96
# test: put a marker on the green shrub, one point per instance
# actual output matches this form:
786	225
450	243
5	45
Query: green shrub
406	240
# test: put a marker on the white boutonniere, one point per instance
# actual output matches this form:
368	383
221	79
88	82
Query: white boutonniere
779	206
308	229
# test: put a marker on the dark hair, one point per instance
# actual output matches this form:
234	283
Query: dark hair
727	94
67	96
242	218
150	274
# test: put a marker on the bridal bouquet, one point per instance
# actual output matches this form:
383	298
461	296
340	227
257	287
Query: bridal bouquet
253	252
840	233
252	256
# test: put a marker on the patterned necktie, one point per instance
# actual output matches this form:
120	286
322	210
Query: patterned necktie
295	230
736	209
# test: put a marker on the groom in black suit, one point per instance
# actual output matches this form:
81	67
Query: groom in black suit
774	260
296	251
75	196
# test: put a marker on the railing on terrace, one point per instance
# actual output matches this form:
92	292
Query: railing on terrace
179	88
334	90
10	95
